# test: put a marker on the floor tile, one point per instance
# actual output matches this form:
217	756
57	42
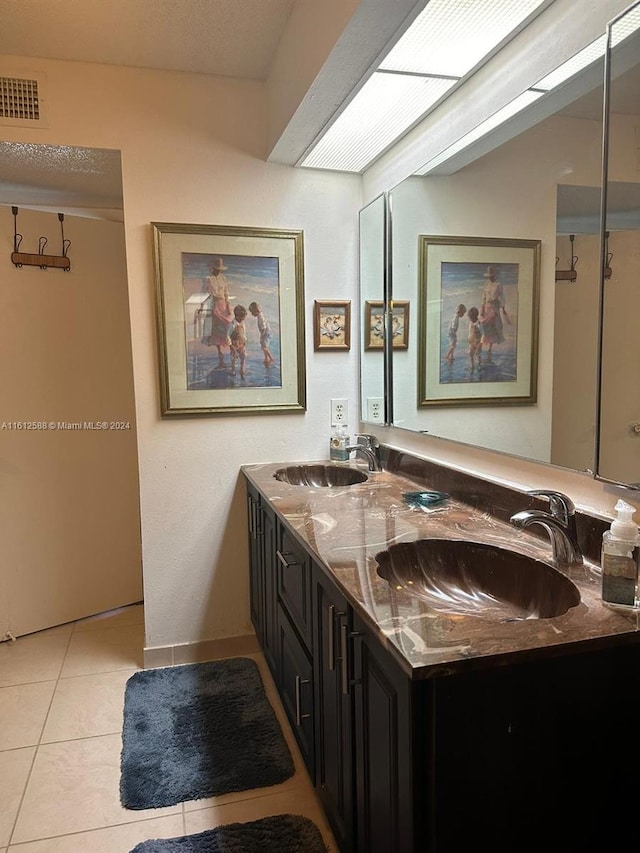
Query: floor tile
23	710
133	614
87	706
302	802
74	787
15	765
104	650
35	657
115	839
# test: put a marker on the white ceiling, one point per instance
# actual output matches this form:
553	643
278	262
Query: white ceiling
221	37
230	38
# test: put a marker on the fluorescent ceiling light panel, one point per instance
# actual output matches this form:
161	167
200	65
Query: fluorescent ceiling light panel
386	106
625	27
620	30
452	36
517	105
572	66
449	39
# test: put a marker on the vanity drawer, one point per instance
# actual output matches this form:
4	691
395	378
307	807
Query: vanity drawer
293	582
296	686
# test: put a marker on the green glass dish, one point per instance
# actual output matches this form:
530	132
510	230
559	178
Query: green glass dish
424	499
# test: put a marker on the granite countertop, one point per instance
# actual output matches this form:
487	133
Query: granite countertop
345	527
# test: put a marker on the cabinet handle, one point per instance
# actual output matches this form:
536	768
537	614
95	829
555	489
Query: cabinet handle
344	651
331	637
255	515
252	523
346	679
283	559
300	716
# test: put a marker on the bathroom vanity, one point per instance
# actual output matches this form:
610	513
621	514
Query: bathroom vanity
426	729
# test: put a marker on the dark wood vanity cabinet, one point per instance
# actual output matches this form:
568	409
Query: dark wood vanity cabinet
364	731
348	702
388	745
293	582
291	590
295	685
334	707
528	754
262	556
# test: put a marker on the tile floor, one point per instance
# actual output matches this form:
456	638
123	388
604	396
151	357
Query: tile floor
61	700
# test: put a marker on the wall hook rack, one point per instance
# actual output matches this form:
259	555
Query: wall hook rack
608	256
570	274
20	259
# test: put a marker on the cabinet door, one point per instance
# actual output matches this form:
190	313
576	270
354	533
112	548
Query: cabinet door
296	686
334	752
262	583
293	572
383	731
256	562
269	644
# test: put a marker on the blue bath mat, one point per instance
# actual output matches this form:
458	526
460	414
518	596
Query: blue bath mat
198	731
283	833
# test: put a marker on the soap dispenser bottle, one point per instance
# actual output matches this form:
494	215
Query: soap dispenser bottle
620	558
338	443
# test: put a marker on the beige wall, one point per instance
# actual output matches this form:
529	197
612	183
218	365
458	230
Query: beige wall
620	444
192	151
575	350
70	509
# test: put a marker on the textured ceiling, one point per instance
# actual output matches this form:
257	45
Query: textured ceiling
231	38
61	176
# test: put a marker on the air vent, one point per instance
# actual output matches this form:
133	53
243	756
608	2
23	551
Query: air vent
22	101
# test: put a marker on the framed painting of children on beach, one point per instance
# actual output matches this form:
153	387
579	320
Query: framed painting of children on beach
230	313
478	321
374	324
332	325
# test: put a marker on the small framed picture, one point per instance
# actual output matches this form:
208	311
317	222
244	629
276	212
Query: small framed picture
374	324
332	325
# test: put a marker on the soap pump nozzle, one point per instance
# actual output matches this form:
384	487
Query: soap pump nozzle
623	526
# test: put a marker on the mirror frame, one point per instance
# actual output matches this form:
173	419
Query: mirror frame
606	115
384	296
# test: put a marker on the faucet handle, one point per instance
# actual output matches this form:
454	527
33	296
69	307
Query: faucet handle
369	440
562	507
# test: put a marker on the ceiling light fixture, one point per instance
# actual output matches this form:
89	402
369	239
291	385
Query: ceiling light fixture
593	52
483	129
448	41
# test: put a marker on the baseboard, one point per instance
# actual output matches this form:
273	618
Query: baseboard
203	650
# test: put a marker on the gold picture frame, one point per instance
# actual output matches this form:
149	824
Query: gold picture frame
230	316
374	324
478	321
332	325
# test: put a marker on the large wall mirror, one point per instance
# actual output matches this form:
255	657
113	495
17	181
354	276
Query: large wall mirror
542	185
618	451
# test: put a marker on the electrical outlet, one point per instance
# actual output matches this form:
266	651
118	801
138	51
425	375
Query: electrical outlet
339	412
375	410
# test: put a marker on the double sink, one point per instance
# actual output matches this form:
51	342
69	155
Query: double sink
457	576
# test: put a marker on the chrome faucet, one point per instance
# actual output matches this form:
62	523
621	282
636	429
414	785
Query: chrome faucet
367	445
560	524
